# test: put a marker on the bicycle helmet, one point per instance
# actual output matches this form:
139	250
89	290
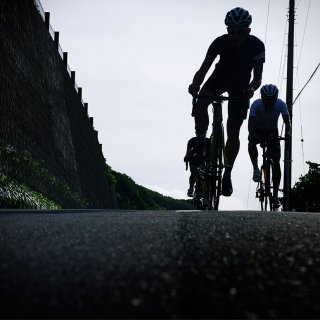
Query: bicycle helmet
269	91
238	18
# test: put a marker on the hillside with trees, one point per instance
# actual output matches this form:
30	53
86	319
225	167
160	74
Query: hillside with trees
133	196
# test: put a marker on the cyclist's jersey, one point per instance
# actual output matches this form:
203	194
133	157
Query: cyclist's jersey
236	62
267	119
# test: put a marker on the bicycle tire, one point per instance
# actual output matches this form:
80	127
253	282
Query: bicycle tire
263	188
268	199
198	191
216	167
270	195
260	188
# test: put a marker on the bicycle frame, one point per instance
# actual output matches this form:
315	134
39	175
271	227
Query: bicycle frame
264	187
217	156
213	167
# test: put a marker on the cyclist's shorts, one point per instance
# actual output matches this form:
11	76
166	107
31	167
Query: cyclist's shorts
272	136
236	108
193	168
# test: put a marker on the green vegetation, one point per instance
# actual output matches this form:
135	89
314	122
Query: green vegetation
133	196
27	184
21	190
18	196
24	172
306	192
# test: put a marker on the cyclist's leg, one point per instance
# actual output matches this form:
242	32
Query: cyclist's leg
201	116
233	141
253	153
237	112
192	179
231	149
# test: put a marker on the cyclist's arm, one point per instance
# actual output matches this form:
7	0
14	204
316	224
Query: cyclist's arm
257	76
188	152
204	68
253	117
201	73
251	125
187	156
286	117
286	120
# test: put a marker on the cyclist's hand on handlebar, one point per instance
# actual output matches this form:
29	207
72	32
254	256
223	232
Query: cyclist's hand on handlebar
248	93
193	89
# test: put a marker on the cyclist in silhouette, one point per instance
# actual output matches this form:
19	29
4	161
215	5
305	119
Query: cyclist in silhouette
197	149
240	54
262	125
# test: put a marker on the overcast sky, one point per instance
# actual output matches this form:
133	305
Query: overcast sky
134	60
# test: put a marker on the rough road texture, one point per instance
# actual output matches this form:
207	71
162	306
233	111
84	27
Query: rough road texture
125	264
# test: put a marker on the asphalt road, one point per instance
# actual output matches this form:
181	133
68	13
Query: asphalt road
142	264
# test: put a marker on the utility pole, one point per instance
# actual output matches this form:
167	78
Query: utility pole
289	99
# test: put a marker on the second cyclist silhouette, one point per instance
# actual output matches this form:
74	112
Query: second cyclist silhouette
263	125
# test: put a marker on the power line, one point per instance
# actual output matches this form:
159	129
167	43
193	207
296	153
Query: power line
297	78
304	32
265	34
282	62
301	135
306	84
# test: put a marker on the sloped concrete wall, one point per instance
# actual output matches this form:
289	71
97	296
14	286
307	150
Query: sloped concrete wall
42	114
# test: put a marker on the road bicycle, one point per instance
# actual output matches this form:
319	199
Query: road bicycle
209	172
264	190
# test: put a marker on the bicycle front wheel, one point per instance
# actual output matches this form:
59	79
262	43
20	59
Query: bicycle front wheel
216	167
269	185
260	191
267	199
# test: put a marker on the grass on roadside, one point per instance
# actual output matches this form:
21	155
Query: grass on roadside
14	195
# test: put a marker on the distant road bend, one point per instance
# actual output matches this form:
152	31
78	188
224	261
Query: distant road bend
164	264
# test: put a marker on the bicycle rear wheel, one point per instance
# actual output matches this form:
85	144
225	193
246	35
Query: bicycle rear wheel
199	189
216	167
